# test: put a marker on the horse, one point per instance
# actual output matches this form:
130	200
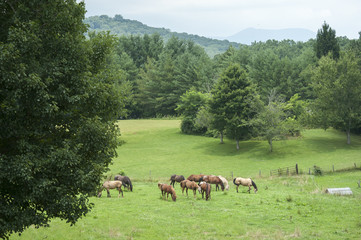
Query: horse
111	185
176	178
186	184
194	177
205	188
167	189
225	182
212	179
125	180
245	182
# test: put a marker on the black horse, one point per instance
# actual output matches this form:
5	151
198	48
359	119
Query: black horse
176	178
125	180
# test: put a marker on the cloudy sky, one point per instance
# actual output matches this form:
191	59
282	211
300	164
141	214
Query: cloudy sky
222	18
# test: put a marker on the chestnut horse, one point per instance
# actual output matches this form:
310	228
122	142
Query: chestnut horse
194	177
248	182
212	179
111	185
167	189
125	180
186	184
176	178
205	188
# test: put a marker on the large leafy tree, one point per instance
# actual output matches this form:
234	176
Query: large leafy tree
57	112
337	85
326	42
231	103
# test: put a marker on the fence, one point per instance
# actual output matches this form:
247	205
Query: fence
291	170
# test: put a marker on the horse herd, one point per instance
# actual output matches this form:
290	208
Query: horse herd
200	182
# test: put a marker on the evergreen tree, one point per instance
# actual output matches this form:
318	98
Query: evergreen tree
326	42
231	103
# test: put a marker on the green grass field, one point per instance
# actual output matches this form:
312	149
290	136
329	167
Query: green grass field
294	207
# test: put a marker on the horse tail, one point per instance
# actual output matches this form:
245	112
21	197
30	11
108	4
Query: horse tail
200	180
254	185
234	181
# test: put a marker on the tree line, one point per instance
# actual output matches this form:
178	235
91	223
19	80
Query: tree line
268	89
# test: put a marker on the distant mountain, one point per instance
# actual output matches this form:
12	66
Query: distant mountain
250	35
120	26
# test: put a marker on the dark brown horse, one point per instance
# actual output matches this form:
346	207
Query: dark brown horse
186	184
176	178
212	179
125	180
194	177
111	185
167	189
205	188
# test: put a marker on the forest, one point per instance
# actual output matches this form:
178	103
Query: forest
243	91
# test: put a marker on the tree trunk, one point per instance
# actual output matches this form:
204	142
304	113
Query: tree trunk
237	144
348	136
270	145
221	137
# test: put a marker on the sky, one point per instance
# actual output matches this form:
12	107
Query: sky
223	18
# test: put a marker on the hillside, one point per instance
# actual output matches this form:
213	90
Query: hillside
120	26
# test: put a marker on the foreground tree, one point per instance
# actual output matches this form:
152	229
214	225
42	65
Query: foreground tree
337	85
57	132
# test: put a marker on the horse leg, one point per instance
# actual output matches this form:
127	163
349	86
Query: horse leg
249	188
194	192
187	191
120	191
237	188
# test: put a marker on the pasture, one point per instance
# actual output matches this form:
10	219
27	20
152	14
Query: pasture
292	207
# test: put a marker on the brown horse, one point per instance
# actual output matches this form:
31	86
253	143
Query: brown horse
186	184
111	185
125	180
176	178
248	182
205	188
167	189
194	177
212	179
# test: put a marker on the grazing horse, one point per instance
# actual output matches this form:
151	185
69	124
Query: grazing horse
111	185
125	180
225	182
176	178
205	188
212	179
245	182
195	177
186	184
167	189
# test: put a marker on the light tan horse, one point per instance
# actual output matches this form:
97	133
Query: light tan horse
194	177
111	185
167	189
186	184
212	179
225	182
248	182
205	188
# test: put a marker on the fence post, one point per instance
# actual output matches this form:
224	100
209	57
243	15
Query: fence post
296	168
354	164
150	173
270	172
309	171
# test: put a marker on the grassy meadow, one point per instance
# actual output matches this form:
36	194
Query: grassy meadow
294	207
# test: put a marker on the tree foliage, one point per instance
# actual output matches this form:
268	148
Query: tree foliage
326	42
58	106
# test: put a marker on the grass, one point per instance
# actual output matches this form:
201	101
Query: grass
284	208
